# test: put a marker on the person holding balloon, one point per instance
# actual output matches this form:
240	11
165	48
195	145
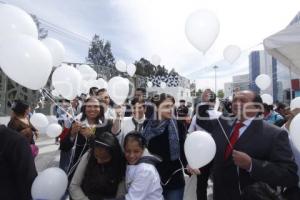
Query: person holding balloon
250	150
165	138
92	122
101	171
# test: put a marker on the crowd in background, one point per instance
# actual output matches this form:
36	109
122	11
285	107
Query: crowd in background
136	150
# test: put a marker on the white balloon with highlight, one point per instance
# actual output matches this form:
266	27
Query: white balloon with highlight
56	49
232	53
121	66
26	61
131	69
263	81
266	98
118	89
202	29
15	21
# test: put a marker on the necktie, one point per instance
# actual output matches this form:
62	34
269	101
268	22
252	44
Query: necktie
233	139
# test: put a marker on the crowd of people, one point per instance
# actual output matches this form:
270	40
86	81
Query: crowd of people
136	150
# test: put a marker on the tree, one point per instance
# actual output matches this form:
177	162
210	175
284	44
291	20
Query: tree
43	33
101	56
220	94
144	68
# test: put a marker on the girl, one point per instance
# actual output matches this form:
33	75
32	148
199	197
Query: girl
165	137
142	178
81	133
100	170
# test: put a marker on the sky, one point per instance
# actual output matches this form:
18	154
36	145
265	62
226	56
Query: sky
142	28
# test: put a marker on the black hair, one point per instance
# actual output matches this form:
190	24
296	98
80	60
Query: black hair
159	98
281	106
101	90
19	107
113	171
93	91
101	114
182	101
136	136
143	90
260	191
137	100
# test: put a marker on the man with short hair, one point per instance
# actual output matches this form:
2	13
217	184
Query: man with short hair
109	112
250	150
123	125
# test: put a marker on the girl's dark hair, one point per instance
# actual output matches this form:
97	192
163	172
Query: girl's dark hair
136	136
114	170
101	114
19	107
159	98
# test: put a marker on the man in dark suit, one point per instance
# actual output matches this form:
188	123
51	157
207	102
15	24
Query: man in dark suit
257	151
17	168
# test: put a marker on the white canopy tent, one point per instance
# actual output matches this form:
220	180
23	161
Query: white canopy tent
285	45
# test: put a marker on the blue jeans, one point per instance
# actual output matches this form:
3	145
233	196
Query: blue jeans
176	194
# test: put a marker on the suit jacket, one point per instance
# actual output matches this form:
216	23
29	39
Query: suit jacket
272	159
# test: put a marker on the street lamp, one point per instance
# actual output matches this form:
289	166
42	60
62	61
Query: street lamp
215	68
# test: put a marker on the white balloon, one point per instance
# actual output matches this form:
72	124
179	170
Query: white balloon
131	69
121	66
67	81
14	20
149	84
54	130
84	87
294	131
199	148
118	89
39	120
56	49
155	60
163	85
87	72
101	83
263	81
202	29
26	61
295	103
231	53
266	98
50	184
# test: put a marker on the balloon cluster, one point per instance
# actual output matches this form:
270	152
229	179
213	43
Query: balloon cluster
23	58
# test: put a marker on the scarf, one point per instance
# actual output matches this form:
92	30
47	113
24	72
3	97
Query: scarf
155	128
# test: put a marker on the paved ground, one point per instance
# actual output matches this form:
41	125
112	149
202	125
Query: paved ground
49	157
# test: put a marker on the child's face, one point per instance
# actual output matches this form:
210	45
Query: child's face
133	152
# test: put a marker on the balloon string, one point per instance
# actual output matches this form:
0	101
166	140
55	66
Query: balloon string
47	93
229	143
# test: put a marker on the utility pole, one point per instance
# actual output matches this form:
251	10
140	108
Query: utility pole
215	68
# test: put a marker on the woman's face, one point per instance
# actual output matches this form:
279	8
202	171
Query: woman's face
165	109
133	152
102	155
92	109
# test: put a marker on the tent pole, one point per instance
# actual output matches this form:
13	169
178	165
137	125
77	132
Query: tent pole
291	90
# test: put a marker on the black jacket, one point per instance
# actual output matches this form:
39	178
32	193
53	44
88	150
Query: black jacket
272	159
159	146
17	168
